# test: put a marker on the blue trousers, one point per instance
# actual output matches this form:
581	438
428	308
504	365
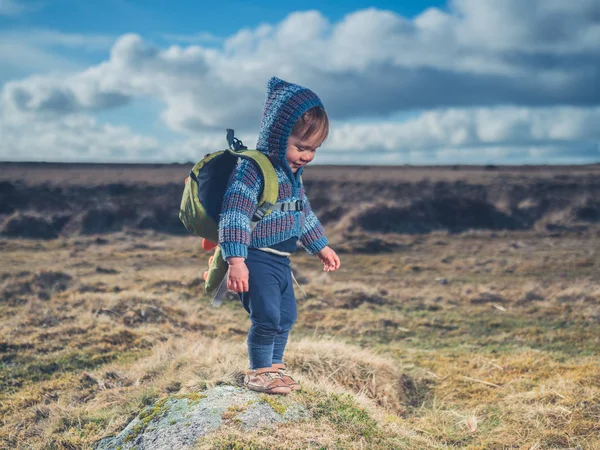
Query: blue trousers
271	303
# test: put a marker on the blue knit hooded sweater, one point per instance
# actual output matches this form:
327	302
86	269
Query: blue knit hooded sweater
285	104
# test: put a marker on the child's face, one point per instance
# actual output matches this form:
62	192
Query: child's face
301	151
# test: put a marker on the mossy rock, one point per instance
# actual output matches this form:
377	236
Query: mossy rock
179	421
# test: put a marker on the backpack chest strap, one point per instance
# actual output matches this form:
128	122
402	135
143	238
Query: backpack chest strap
298	205
263	209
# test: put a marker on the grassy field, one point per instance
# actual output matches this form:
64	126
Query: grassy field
476	341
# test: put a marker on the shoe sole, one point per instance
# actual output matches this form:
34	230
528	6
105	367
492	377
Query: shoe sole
277	391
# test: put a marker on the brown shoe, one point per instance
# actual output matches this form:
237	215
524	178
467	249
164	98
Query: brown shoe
267	380
293	384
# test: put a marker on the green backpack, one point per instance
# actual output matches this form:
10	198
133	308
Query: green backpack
203	196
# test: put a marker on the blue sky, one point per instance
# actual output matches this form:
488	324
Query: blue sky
163	21
154	18
417	82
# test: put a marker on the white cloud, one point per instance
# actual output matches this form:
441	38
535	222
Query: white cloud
74	138
371	63
465	65
478	127
553	26
481	135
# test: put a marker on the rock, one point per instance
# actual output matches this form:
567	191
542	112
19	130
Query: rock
176	423
442	281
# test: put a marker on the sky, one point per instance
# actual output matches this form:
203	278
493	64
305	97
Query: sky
411	82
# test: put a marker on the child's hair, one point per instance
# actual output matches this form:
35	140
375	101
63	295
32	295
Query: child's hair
314	121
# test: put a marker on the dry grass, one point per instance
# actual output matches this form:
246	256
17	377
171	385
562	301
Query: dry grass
472	341
353	369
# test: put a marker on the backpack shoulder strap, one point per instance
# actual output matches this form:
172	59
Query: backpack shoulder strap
268	197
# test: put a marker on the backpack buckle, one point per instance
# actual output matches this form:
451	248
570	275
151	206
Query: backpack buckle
299	205
258	215
261	212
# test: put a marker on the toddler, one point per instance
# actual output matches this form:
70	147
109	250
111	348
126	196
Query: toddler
294	125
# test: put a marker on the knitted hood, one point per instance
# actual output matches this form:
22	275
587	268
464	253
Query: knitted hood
285	104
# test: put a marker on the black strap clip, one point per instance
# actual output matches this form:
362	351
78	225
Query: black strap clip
299	205
234	143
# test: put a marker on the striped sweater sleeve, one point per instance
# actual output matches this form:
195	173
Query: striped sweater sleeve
313	235
239	204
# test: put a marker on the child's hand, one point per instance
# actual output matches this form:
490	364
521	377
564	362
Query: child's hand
237	280
330	259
